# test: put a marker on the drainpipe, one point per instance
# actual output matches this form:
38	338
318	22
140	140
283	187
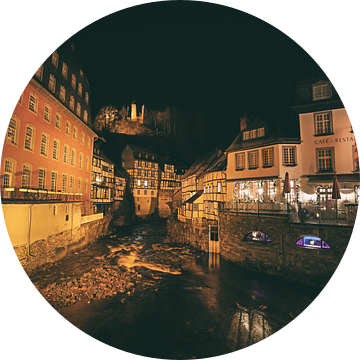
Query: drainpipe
30	218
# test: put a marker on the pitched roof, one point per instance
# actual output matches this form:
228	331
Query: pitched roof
203	163
274	135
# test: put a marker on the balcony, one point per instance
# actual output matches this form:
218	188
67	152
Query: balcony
29	195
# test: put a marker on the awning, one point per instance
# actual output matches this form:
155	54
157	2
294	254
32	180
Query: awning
194	197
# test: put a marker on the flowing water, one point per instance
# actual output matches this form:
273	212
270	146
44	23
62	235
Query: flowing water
209	307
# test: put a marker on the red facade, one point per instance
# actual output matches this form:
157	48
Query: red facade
47	147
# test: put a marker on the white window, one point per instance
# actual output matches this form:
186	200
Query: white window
253	159
72	102
325	159
139	183
219	187
62	93
55	59
25	178
85	116
29	137
321	90
12	133
67	128
47	113
53	181
52	82
240	161
87	160
73	81
41	179
56	146
268	157
39	72
323	123
8	173
75	132
44	144
289	156
64	183
58	121
66	154
33	103
64	70
73	154
81	160
261	132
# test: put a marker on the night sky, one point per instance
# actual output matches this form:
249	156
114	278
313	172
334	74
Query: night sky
197	56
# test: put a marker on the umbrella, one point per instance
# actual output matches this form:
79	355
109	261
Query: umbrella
287	183
336	195
336	189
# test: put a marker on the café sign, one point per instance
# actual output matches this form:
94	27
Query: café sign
334	140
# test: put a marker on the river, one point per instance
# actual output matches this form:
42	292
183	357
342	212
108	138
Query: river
198	306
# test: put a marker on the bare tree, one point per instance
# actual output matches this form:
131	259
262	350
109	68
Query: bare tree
106	118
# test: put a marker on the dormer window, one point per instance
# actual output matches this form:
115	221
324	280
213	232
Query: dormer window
321	90
253	134
246	135
261	132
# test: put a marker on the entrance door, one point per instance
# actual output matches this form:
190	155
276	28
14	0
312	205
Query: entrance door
327	204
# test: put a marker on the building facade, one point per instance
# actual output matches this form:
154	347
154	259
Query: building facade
143	168
46	159
328	145
258	159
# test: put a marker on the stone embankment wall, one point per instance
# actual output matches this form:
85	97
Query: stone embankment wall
56	246
279	257
196	236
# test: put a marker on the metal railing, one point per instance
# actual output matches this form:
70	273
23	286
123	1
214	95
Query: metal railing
26	194
296	212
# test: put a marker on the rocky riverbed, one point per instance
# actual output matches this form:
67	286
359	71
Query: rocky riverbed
127	267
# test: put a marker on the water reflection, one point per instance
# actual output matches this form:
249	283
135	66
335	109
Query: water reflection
248	326
214	261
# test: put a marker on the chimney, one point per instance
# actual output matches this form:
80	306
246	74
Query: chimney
244	122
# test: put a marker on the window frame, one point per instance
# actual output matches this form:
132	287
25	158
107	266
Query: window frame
56	149
44	146
270	151
239	158
29	140
323	132
48	111
13	131
52	83
41	186
256	166
318	158
33	104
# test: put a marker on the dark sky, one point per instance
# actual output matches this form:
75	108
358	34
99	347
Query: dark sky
197	56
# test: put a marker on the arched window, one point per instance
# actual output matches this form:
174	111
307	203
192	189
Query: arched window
257	236
311	242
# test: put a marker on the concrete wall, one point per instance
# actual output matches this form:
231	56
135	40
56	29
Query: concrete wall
25	222
52	248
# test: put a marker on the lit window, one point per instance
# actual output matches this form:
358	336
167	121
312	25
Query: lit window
240	161
73	81
39	72
325	159
80	89
253	159
323	123
145	183
33	103
52	82
62	93
64	70
268	157
257	236
55	59
85	116
312	242
41	180
87	98
139	183
47	113
78	109
321	90
29	137
289	156
11	135
72	102
44	145
25	178
219	187
58	121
